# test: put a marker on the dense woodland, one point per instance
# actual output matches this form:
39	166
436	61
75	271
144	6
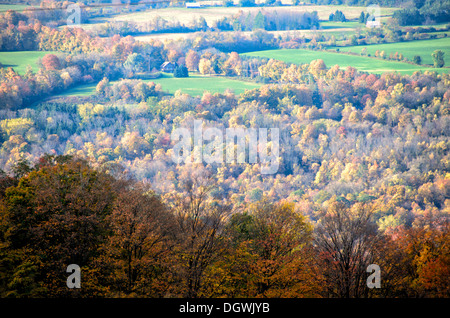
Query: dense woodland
190	242
364	175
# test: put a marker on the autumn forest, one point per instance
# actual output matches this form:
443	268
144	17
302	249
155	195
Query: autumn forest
363	174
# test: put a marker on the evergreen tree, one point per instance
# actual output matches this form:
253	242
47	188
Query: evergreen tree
259	22
180	71
247	3
337	16
362	17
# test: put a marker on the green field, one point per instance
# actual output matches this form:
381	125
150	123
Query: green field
362	63
436	26
197	84
19	60
80	90
16	7
193	85
341	25
424	48
213	13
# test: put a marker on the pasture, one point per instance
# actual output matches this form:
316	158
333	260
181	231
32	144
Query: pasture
197	84
211	14
15	7
361	63
194	85
409	49
21	59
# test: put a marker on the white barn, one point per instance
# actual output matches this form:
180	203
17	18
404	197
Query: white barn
192	5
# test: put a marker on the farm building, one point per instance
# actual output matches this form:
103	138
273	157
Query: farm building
192	5
168	67
373	24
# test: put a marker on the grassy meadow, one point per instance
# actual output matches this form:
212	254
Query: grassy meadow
194	85
361	63
341	25
424	48
197	84
16	7
211	14
21	59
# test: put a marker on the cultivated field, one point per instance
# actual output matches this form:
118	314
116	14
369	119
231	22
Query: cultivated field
424	48
17	7
197	84
194	85
211	14
362	63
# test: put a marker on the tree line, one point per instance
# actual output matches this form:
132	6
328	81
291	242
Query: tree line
424	12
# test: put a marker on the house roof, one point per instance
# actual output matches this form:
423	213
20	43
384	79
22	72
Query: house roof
167	63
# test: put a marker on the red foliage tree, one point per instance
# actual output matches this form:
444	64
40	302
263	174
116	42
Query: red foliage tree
51	62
